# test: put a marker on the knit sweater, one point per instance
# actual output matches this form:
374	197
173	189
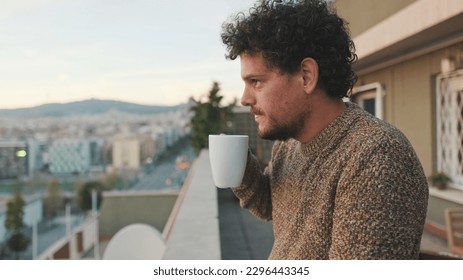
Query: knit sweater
356	191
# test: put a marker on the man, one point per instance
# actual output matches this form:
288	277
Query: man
341	184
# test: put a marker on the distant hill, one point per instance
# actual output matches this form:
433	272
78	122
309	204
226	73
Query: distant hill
86	107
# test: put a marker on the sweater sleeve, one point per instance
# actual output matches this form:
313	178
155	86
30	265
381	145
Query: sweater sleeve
380	205
255	190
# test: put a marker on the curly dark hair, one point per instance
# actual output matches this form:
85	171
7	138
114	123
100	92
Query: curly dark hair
287	31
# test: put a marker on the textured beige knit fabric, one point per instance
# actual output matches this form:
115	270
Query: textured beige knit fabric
356	191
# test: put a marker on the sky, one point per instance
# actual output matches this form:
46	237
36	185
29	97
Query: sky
156	52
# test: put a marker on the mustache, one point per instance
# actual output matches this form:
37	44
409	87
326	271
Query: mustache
256	111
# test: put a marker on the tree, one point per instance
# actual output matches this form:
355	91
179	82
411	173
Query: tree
85	195
111	180
53	201
77	187
14	223
209	118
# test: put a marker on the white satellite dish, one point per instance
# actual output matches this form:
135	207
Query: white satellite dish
135	242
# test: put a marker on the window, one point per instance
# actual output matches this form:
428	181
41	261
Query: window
449	113
370	97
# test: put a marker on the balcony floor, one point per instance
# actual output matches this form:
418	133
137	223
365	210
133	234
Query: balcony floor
242	236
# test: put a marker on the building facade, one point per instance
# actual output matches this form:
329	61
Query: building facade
13	159
126	154
410	69
76	156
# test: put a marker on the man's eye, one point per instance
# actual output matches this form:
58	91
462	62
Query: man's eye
254	81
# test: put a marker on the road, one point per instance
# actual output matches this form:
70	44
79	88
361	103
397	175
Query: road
166	173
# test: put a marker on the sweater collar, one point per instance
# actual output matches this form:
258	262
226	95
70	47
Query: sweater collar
333	133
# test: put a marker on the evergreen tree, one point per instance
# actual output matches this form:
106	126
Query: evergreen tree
209	118
14	223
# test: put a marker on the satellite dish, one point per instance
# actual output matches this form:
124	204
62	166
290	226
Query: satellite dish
135	242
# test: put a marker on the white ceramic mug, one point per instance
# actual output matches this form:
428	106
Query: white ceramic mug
228	155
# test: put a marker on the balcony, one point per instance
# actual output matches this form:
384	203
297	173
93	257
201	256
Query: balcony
202	222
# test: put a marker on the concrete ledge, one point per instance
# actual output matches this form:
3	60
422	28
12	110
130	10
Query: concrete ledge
450	194
439	200
411	20
122	208
195	231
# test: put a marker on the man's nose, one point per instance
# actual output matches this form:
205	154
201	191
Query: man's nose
247	99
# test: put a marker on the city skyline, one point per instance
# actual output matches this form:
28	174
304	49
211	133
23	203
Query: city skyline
145	52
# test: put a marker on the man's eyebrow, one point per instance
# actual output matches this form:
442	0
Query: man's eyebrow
252	76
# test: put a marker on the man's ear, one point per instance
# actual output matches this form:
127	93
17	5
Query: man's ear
309	68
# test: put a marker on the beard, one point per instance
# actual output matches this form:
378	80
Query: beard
283	131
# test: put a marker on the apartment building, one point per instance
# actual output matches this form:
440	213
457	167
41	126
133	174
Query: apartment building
410	68
13	159
76	156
